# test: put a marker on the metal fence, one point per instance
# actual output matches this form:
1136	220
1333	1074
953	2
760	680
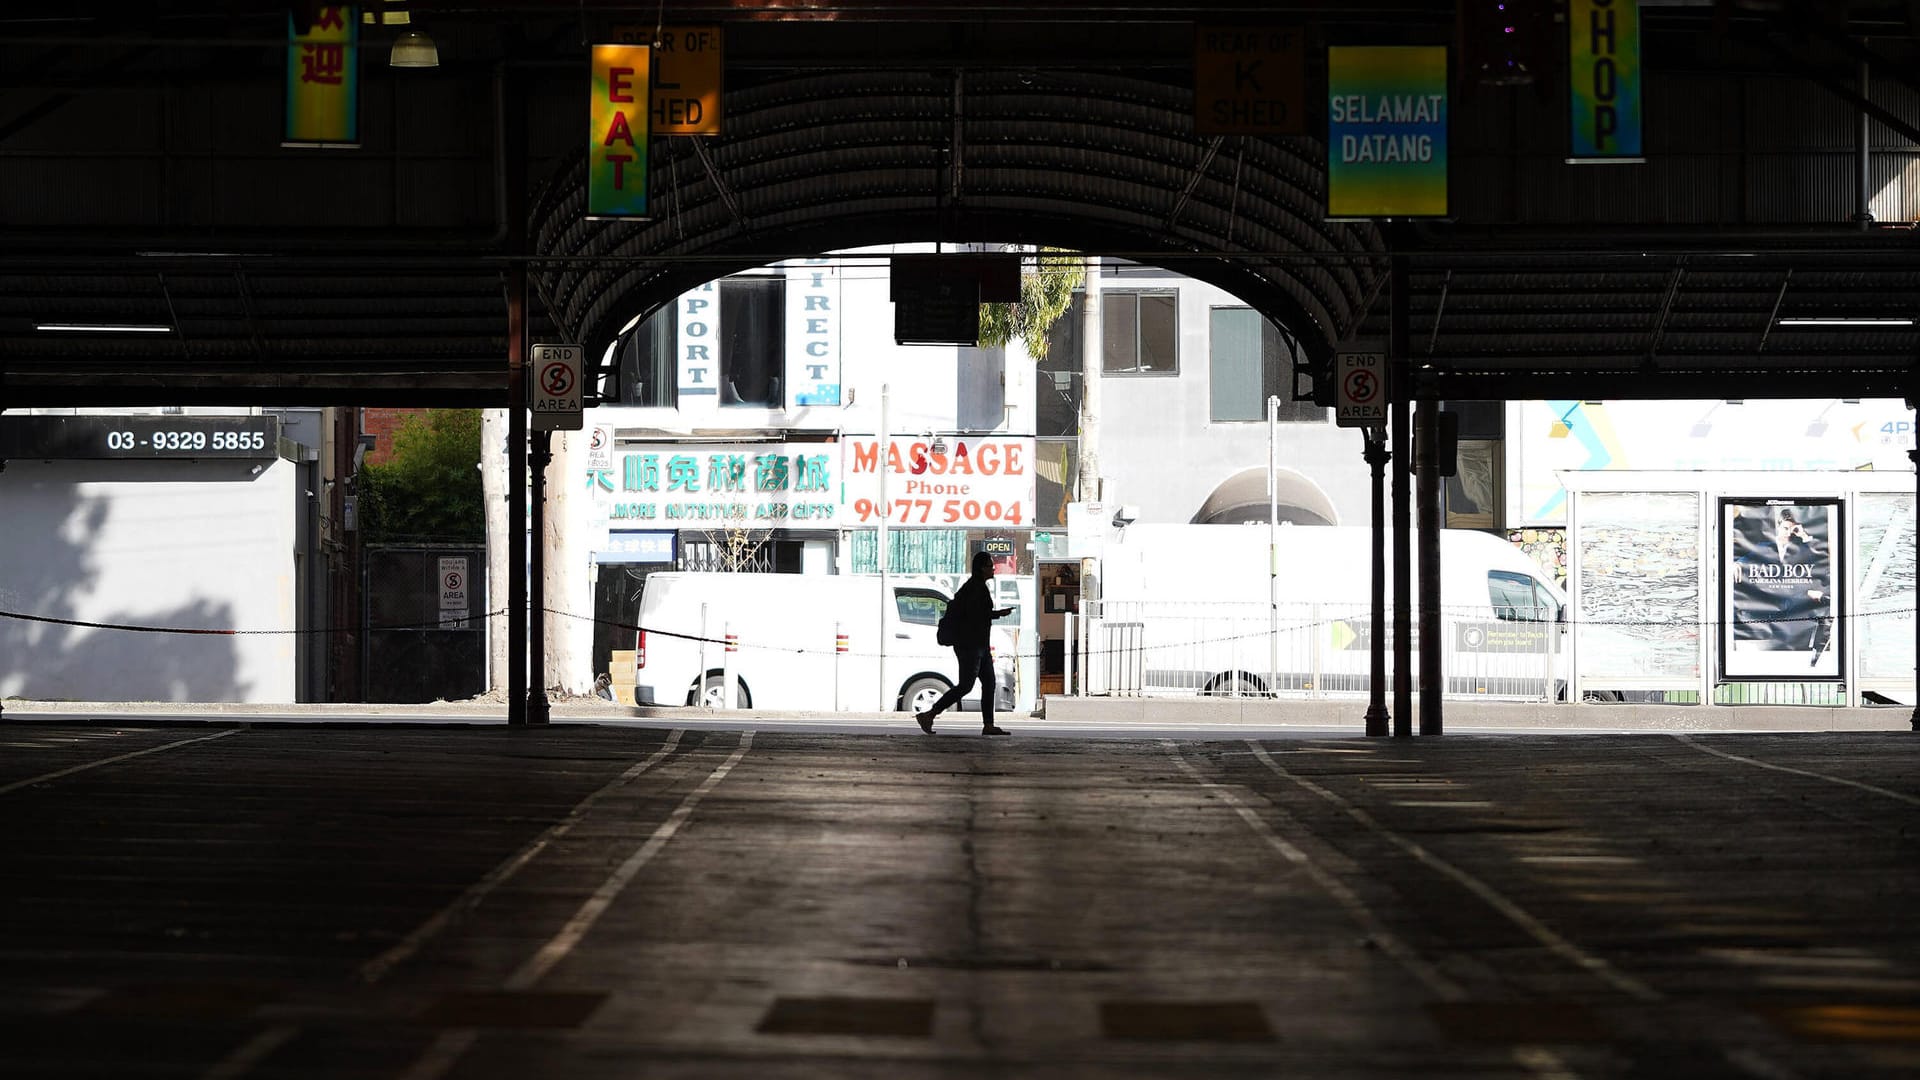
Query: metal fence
1145	648
417	645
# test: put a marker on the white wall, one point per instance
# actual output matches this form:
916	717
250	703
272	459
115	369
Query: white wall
1161	451
201	545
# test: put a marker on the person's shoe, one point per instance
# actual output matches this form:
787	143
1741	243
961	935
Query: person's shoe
926	721
990	729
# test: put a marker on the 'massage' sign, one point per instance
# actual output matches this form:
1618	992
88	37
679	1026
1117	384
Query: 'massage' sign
967	483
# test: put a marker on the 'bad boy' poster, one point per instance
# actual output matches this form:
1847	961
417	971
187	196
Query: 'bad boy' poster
1780	569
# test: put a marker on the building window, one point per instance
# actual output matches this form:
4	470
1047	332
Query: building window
1250	360
753	340
1139	333
751	346
648	376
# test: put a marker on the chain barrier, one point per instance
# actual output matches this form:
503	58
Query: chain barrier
1259	634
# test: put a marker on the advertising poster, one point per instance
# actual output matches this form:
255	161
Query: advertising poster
1780	567
1386	131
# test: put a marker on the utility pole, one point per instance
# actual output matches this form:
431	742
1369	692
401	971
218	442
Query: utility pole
1090	355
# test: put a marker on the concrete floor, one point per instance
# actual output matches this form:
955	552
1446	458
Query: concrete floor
595	901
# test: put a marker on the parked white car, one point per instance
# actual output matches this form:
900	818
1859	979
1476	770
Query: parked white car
806	642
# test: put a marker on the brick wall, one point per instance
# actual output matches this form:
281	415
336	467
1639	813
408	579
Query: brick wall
381	424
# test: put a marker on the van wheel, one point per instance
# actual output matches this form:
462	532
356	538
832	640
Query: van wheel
1237	683
711	693
921	693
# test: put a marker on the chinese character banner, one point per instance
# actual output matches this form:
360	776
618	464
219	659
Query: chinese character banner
323	79
722	486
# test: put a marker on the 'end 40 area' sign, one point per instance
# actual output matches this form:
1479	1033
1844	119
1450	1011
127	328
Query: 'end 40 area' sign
1360	392
553	387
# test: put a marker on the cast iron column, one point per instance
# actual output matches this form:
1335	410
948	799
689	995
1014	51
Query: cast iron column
1432	650
512	134
539	710
1399	384
1376	456
1914	456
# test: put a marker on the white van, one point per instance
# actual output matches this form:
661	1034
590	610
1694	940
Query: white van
806	642
1184	609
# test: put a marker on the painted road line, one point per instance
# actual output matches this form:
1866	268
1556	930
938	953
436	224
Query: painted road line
1899	796
377	968
46	777
251	1053
1390	943
1541	1061
446	1049
441	1055
1533	927
596	905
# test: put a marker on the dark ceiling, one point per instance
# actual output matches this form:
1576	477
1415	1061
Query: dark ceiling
142	181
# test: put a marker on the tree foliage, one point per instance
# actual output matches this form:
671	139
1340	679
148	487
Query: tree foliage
1046	292
430	488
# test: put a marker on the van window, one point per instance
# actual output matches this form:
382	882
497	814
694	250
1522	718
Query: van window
1514	597
916	606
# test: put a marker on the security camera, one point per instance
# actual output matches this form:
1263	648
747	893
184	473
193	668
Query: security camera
1125	516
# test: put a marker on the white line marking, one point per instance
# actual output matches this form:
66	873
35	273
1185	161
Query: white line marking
1435	982
1908	799
251	1053
1545	1064
446	1050
1539	931
18	784
377	968
576	929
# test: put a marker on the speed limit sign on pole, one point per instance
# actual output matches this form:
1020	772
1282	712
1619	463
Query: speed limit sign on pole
553	378
1360	398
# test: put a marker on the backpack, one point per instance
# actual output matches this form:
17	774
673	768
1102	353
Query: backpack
944	631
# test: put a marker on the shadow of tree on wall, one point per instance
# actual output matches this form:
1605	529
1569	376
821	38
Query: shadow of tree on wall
49	563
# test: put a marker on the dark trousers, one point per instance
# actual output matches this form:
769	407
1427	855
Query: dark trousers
976	665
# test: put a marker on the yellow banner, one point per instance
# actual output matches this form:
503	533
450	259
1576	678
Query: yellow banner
617	152
323	80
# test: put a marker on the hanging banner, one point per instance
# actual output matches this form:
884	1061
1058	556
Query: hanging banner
965	483
323	80
813	332
697	341
1603	45
617	150
1386	131
1780	567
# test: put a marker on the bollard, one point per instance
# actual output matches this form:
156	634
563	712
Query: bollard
729	690
839	650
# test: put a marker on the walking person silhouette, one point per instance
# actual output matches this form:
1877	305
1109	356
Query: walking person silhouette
968	621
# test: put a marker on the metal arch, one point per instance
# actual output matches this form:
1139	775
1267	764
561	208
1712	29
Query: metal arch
816	163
